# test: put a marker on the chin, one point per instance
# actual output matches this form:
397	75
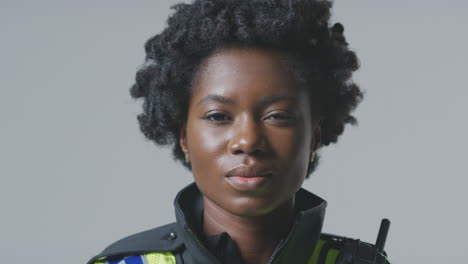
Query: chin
252	206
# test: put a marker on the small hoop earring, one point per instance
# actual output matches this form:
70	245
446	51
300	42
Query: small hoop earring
312	156
187	159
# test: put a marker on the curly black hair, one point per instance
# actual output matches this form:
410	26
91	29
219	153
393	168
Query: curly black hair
194	31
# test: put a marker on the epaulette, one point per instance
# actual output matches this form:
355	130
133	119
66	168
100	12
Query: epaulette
333	249
160	239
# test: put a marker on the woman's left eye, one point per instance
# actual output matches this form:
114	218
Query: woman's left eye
280	116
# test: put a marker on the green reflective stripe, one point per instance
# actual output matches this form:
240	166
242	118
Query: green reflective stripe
316	253
332	254
100	261
160	258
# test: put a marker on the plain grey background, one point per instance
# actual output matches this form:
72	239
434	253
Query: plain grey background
76	173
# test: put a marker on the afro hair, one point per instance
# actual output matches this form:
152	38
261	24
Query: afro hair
300	28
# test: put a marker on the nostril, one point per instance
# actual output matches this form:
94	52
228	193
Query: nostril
236	152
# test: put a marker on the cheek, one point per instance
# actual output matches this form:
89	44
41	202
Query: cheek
292	148
207	146
290	144
203	139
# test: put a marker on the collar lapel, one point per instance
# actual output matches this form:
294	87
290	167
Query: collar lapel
298	246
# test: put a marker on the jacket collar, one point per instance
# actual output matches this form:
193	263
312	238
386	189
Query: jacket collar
297	248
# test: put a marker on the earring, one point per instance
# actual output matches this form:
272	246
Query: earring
187	159
312	156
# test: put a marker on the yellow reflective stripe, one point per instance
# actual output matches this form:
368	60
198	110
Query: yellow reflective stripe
99	261
160	258
316	253
332	254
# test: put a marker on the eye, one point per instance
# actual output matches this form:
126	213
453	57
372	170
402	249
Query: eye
281	116
217	117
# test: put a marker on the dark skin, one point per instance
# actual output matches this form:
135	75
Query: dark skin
260	119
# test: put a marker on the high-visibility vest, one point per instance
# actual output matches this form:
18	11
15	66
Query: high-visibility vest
149	258
168	258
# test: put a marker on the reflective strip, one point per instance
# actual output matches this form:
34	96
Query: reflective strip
129	260
332	254
100	261
160	258
315	255
149	258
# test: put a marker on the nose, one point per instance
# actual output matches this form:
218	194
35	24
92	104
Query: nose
247	137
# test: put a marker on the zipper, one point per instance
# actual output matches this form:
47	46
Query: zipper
201	246
276	251
281	245
271	260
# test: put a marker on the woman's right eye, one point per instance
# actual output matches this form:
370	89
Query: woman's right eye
217	117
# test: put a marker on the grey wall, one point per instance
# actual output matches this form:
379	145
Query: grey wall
76	174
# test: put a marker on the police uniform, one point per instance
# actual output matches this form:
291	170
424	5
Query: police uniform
182	242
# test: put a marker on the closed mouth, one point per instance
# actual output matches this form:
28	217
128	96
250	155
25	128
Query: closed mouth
249	172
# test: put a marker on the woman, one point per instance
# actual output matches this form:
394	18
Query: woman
246	92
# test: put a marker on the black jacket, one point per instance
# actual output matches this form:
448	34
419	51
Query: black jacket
183	239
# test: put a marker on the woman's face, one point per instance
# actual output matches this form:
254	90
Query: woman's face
249	132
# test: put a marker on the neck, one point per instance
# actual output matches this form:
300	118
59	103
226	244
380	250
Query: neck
256	236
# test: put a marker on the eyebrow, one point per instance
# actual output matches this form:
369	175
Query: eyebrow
267	100
216	98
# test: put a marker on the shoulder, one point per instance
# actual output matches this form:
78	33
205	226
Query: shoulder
161	239
332	248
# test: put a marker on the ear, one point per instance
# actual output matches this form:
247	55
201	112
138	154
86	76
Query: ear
183	138
316	138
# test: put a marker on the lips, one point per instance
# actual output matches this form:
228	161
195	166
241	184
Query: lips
249	178
248	171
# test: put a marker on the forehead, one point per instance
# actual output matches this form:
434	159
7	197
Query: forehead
244	72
